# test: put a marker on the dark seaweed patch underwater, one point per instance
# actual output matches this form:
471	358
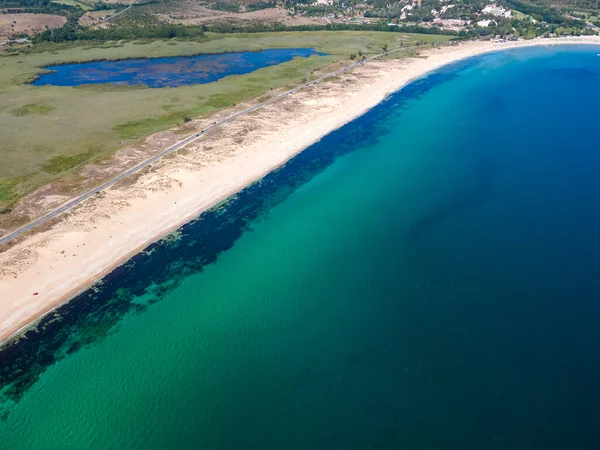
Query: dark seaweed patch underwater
144	279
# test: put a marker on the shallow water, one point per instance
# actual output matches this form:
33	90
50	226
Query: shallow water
169	72
424	277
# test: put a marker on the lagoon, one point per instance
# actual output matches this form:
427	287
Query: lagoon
169	71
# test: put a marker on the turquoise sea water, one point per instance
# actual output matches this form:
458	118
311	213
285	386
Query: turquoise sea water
170	71
426	277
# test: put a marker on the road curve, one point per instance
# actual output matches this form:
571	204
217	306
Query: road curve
117	14
173	148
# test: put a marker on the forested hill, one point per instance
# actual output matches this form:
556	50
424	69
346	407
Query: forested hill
148	19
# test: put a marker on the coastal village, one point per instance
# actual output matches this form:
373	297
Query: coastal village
441	18
465	18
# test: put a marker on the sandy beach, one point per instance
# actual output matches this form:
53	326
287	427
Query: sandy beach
103	232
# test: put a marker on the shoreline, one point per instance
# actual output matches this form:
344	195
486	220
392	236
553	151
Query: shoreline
58	264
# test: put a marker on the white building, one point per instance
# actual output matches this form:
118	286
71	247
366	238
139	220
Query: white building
497	11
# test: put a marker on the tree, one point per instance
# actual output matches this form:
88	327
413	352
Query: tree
385	48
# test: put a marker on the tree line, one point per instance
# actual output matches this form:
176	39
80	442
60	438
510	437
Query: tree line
265	27
72	32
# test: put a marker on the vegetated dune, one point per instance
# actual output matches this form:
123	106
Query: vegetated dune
11	24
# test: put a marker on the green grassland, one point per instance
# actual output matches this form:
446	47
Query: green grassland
48	132
519	15
82	4
590	16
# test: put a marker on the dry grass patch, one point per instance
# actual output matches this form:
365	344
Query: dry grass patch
28	23
94	17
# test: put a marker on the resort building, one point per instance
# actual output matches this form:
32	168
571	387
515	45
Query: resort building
497	11
451	24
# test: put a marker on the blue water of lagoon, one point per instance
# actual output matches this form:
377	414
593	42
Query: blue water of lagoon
169	72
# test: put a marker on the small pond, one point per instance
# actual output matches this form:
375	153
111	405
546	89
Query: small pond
168	72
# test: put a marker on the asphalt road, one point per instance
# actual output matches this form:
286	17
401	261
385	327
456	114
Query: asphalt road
178	146
117	14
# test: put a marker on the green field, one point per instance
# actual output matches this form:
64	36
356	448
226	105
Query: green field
519	15
83	5
48	132
590	16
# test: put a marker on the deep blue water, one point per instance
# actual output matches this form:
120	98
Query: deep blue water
169	72
426	277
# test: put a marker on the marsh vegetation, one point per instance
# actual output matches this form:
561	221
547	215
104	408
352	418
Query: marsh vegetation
51	131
